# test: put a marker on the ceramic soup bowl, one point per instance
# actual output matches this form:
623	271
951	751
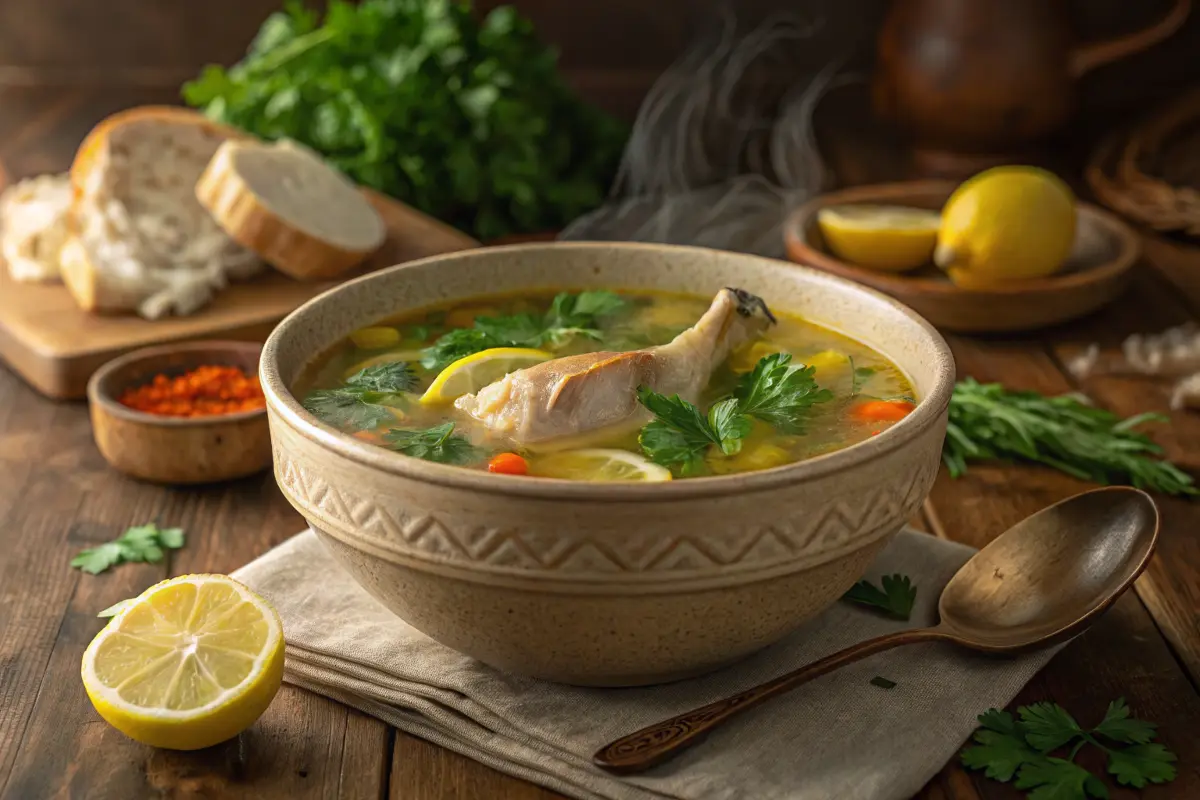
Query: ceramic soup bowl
592	583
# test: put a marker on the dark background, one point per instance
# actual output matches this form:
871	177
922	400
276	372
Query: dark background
611	49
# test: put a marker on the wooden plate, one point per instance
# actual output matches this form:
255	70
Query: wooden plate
1097	271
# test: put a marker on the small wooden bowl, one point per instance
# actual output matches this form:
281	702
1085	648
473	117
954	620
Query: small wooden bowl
177	450
1097	271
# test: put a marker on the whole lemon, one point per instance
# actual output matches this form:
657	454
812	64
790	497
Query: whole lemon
1006	224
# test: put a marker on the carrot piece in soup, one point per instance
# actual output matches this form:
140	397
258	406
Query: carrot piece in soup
508	464
882	410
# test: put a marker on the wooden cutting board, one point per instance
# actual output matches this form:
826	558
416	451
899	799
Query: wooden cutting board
47	340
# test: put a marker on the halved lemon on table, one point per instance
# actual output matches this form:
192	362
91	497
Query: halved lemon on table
598	464
889	238
187	664
471	373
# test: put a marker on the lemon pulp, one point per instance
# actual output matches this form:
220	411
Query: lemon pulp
598	464
890	238
471	373
191	662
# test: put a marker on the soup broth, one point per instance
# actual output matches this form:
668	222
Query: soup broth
756	410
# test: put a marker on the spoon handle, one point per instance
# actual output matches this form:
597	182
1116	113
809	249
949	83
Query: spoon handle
658	742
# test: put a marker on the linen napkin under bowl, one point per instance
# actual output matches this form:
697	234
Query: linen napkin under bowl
839	736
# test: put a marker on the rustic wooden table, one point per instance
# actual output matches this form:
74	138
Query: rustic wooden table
57	496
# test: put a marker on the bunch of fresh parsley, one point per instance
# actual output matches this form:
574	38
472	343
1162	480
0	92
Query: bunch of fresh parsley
139	543
1006	748
777	392
468	120
988	421
364	402
569	315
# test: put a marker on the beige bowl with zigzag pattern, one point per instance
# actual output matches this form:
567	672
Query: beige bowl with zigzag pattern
605	584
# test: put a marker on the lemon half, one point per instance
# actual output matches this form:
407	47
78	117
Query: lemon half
471	373
891	238
190	662
598	464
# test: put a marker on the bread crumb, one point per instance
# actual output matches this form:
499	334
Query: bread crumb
33	226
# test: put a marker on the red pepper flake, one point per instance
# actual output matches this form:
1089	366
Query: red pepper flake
203	392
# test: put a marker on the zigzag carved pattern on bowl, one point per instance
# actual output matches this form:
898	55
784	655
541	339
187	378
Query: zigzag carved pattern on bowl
830	526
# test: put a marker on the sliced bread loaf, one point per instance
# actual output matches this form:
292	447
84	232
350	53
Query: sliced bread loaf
140	240
34	227
283	201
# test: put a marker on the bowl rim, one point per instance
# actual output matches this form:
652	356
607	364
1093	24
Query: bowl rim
281	402
796	236
97	396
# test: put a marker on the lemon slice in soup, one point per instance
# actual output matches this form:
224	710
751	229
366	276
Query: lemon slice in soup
471	373
598	465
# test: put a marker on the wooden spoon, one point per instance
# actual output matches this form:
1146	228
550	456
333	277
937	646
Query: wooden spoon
1041	581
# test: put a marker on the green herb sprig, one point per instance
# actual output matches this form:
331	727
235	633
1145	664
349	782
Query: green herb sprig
365	401
988	421
141	543
776	391
1006	748
465	118
438	443
569	315
895	599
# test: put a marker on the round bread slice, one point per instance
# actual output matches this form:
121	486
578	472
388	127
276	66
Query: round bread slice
282	201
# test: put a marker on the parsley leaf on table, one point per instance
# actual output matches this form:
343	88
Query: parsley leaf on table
1005	747
988	421
681	434
1000	749
1141	764
1059	779
141	543
438	443
896	598
1048	726
364	402
1119	726
569	315
780	393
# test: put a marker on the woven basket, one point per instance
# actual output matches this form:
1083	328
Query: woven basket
1151	173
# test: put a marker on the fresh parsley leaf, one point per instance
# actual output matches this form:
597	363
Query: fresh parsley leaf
389	378
895	599
434	444
780	393
364	402
569	315
347	408
1059	779
882	683
1141	764
1119	726
1005	747
680	435
1000	749
141	543
1067	433
1048	726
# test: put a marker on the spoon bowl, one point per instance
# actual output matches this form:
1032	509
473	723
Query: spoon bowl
1052	573
1042	581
